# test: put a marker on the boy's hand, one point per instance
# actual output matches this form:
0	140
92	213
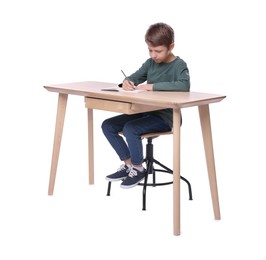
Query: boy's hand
128	85
145	86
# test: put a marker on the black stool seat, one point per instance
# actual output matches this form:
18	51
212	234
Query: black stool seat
151	169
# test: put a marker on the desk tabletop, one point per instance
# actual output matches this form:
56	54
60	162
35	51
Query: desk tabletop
164	99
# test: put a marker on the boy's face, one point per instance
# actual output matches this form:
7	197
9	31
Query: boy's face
160	53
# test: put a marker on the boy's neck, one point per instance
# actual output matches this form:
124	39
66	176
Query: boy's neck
170	58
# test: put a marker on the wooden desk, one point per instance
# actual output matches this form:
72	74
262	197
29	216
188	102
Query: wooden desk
134	103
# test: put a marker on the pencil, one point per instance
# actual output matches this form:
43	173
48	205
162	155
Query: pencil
128	79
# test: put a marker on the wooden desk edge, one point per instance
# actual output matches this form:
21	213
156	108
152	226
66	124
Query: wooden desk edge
210	100
202	102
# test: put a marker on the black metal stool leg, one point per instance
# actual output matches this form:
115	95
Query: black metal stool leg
109	188
149	169
189	187
144	193
181	177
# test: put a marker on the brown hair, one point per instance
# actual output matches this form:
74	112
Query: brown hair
159	34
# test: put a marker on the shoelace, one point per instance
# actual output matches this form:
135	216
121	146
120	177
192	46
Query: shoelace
132	173
122	167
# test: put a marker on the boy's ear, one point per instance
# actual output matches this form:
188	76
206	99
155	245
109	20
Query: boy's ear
172	45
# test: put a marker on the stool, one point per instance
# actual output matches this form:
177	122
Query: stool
150	162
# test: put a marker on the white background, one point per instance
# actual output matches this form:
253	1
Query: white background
45	42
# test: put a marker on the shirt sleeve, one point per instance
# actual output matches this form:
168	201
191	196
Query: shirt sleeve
140	75
181	82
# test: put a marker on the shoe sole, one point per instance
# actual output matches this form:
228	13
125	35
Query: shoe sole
130	186
117	179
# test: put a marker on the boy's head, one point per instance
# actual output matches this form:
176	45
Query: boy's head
160	40
160	34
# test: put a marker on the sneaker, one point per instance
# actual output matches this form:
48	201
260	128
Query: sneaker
121	173
134	177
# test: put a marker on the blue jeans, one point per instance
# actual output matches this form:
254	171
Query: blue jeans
132	126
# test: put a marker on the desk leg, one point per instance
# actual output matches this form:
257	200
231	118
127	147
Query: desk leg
90	146
59	125
176	170
205	121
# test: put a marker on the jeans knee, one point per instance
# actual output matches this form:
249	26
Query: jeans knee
105	126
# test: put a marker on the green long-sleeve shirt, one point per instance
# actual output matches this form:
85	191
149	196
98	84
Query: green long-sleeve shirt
172	76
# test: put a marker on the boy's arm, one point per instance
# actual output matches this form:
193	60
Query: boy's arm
182	84
140	75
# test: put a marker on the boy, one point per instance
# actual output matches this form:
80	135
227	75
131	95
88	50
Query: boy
163	71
